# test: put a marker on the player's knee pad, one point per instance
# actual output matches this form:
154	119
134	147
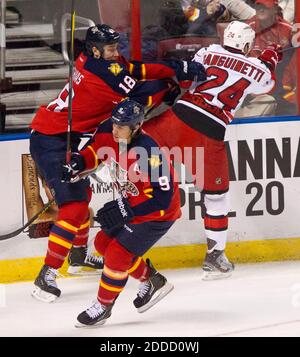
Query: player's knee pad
101	242
217	205
75	213
117	257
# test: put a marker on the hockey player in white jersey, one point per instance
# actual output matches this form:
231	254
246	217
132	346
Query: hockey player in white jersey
232	75
200	117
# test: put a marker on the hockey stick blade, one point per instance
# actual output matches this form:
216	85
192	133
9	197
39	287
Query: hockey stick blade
36	216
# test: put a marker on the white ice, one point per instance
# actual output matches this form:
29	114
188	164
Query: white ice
258	300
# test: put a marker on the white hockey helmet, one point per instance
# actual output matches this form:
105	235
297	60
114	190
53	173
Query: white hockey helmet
237	35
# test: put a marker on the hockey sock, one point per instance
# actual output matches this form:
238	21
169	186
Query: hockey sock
112	283
216	228
81	238
60	242
139	270
70	218
114	276
216	220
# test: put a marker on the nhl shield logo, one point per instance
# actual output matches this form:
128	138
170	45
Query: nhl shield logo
218	181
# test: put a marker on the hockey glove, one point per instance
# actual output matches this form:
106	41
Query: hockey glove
172	93
114	214
271	55
190	71
70	171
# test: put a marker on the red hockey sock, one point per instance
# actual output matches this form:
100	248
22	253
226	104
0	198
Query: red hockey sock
60	242
70	218
216	228
82	236
111	285
139	270
114	277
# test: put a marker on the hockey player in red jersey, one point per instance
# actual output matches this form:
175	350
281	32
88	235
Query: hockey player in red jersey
200	117
148	205
101	79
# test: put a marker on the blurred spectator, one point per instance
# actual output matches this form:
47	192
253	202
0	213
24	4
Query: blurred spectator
203	15
172	18
238	9
287	8
178	18
270	27
172	22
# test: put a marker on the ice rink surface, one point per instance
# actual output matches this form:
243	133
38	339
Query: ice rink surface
258	300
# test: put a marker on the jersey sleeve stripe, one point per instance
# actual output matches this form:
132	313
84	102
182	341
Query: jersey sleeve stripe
131	68
95	156
143	69
150	101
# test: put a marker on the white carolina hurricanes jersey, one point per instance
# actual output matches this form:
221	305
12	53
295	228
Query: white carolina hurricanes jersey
230	78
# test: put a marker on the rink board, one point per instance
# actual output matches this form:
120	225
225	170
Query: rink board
265	195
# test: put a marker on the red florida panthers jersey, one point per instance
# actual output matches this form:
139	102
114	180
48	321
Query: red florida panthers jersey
98	85
141	171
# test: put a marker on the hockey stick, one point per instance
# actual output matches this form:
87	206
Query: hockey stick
36	216
71	68
290	48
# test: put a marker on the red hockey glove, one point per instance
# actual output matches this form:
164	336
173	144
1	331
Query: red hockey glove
277	49
271	55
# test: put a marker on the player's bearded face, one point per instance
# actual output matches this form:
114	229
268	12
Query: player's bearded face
110	52
123	133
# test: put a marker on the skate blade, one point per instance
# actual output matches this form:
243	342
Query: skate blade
83	271
97	324
215	275
159	295
43	296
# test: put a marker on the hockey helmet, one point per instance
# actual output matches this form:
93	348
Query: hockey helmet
128	113
99	36
237	35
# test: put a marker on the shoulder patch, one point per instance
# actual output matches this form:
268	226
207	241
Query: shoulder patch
115	69
155	161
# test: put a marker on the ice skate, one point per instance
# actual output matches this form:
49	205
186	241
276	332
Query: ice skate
82	263
217	266
94	316
46	289
152	290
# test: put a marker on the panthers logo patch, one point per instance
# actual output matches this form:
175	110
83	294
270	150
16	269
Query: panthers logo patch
120	179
